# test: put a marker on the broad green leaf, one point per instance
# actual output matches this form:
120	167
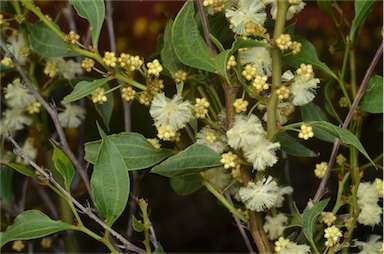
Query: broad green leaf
223	57
110	180
310	216
135	149
168	55
372	100
94	12
312	112
32	224
84	88
189	46
293	147
45	42
193	159
6	185
344	135
138	225
105	109
307	55
362	8
186	184
63	165
21	169
328	100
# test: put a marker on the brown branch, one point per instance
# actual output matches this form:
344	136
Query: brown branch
321	189
52	112
46	175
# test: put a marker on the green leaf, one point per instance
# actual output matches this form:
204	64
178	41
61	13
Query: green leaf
223	57
193	159
94	12
168	55
159	250
344	135
293	147
189	46
21	169
110	180
372	100
307	55
63	165
45	42
138	225
105	109
135	149
84	88
328	101
310	216
32	224
6	185
186	184
312	112
362	8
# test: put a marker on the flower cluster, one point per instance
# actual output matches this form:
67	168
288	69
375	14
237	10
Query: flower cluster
170	116
283	245
367	198
332	235
247	133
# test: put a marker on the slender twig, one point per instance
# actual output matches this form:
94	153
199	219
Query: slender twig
9	210
52	112
321	189
205	25
240	226
47	176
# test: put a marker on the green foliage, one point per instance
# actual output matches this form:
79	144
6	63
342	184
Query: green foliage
188	44
46	42
293	147
21	169
110	180
168	55
312	112
138	225
186	184
372	100
344	135
362	8
6	185
134	148
94	12
32	224
307	55
193	159
84	88
63	165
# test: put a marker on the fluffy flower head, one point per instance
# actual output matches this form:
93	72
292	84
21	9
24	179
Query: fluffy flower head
72	115
259	57
175	113
17	95
260	195
243	12
274	226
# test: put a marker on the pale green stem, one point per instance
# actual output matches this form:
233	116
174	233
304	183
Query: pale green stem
352	66
104	240
223	200
282	7
147	224
339	194
130	81
28	4
342	74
